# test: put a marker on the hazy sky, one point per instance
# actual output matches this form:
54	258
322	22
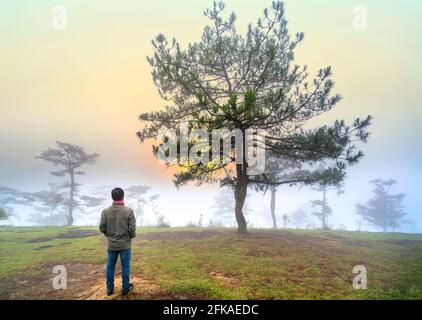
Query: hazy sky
88	84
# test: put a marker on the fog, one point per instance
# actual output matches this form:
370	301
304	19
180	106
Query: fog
184	206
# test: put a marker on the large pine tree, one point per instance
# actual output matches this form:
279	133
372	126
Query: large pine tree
242	82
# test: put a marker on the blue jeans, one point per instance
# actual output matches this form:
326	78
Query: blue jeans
111	264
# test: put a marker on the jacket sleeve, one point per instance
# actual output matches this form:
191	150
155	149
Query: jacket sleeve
103	223
132	225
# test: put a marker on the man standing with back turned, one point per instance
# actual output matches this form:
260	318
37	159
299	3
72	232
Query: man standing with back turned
119	226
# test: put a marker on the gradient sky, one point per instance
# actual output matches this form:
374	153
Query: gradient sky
87	85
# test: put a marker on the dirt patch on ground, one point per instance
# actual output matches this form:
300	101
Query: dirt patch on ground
179	235
263	252
351	242
70	234
41	248
84	282
274	244
225	278
143	289
22	231
303	240
38	284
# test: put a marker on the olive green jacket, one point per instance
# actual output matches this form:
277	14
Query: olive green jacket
119	226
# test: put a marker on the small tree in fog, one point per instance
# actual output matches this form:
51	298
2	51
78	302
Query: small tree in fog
299	217
286	171
7	196
138	194
68	158
323	208
10	197
91	202
384	210
162	221
223	208
359	223
285	220
48	200
324	186
57	219
215	224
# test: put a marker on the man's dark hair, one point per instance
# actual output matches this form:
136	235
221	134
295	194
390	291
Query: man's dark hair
117	194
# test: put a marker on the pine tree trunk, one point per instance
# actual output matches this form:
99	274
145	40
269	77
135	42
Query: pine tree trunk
240	191
72	191
273	191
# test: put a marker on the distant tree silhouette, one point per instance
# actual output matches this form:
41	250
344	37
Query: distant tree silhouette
137	194
286	220
7	197
359	223
324	186
48	200
100	195
69	158
3	214
284	171
162	222
324	211
10	197
299	217
324	208
137	197
91	202
384	210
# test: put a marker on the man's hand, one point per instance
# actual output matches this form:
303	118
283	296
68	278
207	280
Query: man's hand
132	225
103	223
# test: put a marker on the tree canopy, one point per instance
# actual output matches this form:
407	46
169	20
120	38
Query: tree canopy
229	81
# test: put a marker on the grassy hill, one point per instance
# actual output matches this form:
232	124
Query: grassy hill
200	263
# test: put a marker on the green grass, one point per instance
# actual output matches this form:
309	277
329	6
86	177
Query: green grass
265	264
17	256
